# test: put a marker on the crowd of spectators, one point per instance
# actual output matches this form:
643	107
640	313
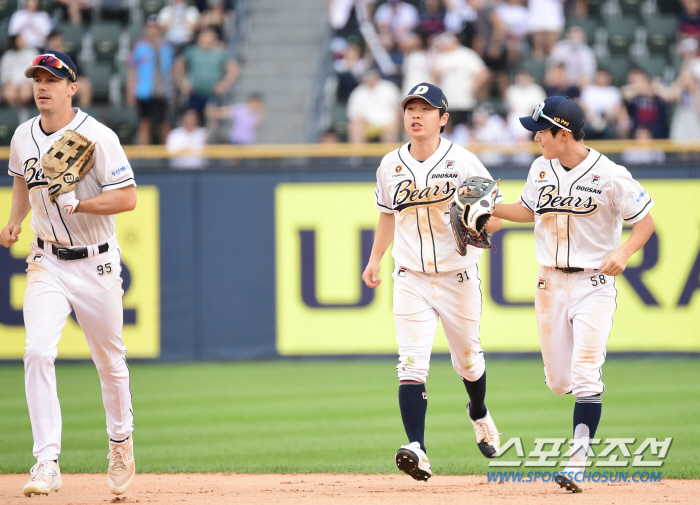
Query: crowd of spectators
177	66
496	59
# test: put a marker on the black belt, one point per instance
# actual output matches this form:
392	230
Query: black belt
66	254
570	270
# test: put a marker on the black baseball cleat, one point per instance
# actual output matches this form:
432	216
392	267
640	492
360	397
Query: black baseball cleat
487	436
568	483
413	461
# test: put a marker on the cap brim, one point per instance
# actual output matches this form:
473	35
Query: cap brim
535	126
411	97
55	71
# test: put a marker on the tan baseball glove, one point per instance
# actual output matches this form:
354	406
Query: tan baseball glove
69	159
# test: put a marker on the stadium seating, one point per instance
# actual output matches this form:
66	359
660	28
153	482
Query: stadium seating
100	75
620	34
7	7
72	37
105	40
652	65
661	33
8	123
618	66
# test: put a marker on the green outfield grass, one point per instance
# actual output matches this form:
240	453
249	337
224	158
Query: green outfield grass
341	416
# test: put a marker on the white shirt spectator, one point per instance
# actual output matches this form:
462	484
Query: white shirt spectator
179	21
189	156
34	27
416	68
13	64
514	17
520	100
545	15
457	70
577	57
602	100
377	105
398	16
459	12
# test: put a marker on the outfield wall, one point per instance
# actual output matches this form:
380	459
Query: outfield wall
252	264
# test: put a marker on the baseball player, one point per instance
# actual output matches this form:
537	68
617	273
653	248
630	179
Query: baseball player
578	200
74	265
415	186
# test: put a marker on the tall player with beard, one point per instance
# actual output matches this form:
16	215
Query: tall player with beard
415	186
578	200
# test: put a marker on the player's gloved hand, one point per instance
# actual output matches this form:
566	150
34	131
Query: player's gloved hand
68	202
370	274
10	234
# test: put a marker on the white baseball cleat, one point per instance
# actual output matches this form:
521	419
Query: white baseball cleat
122	467
413	461
45	477
487	436
571	478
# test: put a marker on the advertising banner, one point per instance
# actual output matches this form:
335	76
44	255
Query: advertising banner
324	234
139	239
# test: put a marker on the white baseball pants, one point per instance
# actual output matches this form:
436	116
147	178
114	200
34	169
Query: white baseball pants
574	318
419	300
54	288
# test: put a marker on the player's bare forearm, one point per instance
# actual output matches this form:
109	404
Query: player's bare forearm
494	224
111	202
616	261
382	238
514	212
20	208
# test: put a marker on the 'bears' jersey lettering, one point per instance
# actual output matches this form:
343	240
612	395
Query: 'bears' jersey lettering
405	197
547	203
34	174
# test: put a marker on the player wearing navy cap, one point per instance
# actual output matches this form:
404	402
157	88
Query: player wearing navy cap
74	264
578	200
432	281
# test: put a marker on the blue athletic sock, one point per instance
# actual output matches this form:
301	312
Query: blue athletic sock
477	393
413	402
587	412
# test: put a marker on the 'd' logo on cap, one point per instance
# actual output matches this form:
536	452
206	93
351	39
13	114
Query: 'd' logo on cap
420	90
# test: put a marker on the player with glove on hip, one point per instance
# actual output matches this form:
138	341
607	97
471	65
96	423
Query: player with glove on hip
578	200
416	186
73	174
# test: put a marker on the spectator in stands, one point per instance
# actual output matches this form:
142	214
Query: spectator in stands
33	24
685	91
416	64
185	143
392	72
689	20
245	118
641	152
397	17
205	71
514	17
645	103
577	57
520	100
349	67
603	107
216	17
555	83
16	88
490	42
79	11
345	16
545	23
84	93
431	17
149	82
372	110
461	19
490	127
461	74
179	22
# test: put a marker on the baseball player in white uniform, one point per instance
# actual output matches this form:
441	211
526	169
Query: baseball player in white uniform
74	265
578	200
415	186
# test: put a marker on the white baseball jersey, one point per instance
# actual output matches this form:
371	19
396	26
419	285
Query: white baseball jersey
579	213
419	195
111	170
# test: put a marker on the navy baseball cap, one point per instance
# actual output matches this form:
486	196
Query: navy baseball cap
559	111
428	92
58	63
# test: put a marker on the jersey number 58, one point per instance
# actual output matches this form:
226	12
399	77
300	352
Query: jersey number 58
600	279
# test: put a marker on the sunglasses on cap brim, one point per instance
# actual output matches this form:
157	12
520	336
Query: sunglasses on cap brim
49	60
539	112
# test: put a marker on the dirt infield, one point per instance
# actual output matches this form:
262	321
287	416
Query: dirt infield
217	489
